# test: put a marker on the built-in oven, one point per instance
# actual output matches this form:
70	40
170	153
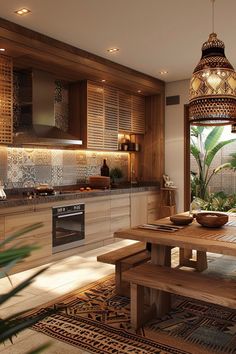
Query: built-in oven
68	227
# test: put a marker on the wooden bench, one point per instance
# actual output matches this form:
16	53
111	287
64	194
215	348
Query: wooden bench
176	281
125	258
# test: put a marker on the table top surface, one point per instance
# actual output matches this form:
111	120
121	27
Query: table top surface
194	236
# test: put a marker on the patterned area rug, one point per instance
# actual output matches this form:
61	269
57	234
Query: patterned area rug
97	320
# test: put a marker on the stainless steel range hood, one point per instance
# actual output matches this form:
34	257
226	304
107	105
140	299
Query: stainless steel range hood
43	131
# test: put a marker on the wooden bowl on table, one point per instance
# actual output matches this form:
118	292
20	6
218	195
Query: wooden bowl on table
211	219
181	219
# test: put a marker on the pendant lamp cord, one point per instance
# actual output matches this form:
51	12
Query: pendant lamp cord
213	16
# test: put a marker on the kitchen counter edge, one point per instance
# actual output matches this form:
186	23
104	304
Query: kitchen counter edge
20	201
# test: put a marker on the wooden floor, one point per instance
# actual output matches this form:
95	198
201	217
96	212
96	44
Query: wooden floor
62	277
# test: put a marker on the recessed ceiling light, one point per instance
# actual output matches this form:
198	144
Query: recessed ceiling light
139	91
103	80
2	49
163	72
22	11
113	50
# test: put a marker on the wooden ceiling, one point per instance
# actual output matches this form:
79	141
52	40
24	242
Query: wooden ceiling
30	49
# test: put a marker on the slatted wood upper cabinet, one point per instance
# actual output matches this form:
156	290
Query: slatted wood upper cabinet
6	97
98	113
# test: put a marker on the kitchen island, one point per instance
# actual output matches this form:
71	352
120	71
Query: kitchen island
106	211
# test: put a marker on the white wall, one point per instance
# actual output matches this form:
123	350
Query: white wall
174	137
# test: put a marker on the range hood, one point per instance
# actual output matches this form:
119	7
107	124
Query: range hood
42	130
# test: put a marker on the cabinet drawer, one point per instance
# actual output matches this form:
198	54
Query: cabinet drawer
120	222
16	222
43	242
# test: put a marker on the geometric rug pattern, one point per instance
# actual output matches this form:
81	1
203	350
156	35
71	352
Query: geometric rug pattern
97	320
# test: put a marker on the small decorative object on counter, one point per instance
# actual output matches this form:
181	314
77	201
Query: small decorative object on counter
105	169
195	207
167	182
2	193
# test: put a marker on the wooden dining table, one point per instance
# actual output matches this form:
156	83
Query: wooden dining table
191	237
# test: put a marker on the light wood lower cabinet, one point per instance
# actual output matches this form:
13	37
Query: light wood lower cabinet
144	207
103	216
153	207
97	219
40	238
139	210
120	212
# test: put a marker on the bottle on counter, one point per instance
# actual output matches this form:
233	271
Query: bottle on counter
195	207
105	169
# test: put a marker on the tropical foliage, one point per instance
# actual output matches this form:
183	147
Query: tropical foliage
205	144
218	202
9	257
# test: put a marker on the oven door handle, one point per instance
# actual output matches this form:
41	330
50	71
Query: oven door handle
67	215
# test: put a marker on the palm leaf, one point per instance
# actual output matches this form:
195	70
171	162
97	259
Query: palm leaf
233	161
222	167
21	232
195	151
213	138
211	154
11	326
21	286
4	270
9	255
196	131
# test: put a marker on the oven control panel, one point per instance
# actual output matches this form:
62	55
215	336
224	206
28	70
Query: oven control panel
68	209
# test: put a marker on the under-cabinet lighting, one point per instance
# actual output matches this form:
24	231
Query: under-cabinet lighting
22	12
113	50
2	49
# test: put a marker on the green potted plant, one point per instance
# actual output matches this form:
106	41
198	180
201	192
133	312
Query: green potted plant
116	174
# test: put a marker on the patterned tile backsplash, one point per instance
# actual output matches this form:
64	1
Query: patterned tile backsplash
20	167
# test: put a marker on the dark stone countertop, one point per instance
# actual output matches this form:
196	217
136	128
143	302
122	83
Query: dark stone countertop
14	200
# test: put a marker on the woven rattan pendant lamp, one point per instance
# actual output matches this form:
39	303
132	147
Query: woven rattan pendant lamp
213	85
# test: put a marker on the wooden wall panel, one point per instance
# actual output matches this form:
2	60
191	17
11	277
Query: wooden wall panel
151	166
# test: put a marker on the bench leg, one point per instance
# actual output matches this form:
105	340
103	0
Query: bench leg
161	255
137	305
122	287
118	279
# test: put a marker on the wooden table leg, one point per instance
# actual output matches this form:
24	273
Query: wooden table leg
160	255
201	261
184	256
185	259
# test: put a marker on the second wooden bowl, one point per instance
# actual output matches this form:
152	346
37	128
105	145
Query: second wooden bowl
212	219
